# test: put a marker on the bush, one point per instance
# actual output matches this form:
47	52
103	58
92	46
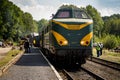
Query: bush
110	42
97	39
118	39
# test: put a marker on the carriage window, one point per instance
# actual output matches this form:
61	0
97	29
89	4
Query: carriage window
63	14
80	14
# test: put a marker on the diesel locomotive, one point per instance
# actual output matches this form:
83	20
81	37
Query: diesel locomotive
68	37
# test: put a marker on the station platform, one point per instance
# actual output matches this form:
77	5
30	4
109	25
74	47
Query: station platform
31	66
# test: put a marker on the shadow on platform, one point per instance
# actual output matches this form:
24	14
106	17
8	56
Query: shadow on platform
32	59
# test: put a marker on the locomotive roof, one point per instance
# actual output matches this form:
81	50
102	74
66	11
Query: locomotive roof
71	12
70	8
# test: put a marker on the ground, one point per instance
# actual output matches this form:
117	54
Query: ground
3	52
108	55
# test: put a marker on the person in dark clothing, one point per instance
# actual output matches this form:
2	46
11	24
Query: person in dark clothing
101	47
26	46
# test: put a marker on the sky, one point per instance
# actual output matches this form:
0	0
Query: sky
45	8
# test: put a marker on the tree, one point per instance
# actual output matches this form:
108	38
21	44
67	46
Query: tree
14	22
43	22
112	24
68	6
35	23
97	20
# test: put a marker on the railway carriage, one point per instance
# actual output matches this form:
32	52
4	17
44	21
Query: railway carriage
68	38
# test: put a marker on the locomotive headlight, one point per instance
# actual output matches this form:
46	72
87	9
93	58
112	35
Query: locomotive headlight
65	42
62	42
82	42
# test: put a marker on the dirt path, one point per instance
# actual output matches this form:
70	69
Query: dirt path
3	51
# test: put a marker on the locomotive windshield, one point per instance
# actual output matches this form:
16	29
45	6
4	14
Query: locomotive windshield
71	14
80	14
63	14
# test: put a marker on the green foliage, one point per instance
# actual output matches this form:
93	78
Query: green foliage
105	29
28	22
118	39
96	39
14	22
42	23
68	6
112	25
8	57
110	41
98	22
35	24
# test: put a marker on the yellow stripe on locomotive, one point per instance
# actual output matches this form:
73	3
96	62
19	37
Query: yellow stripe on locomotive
86	40
60	39
72	26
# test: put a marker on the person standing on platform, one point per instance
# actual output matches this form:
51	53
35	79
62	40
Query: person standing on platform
26	46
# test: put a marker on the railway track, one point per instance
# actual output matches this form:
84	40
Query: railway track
110	64
106	70
96	69
81	74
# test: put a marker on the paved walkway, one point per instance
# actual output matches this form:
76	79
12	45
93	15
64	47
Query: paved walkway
31	66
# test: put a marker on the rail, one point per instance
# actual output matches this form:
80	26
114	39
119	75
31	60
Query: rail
110	64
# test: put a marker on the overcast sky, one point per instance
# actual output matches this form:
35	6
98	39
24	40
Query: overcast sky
44	8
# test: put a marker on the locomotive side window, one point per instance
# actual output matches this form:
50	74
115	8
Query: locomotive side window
63	14
80	14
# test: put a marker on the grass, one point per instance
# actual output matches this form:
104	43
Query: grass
108	55
9	56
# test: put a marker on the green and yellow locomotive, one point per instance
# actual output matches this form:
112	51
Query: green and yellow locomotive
68	38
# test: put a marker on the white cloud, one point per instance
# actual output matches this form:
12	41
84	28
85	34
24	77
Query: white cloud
39	11
109	11
25	2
